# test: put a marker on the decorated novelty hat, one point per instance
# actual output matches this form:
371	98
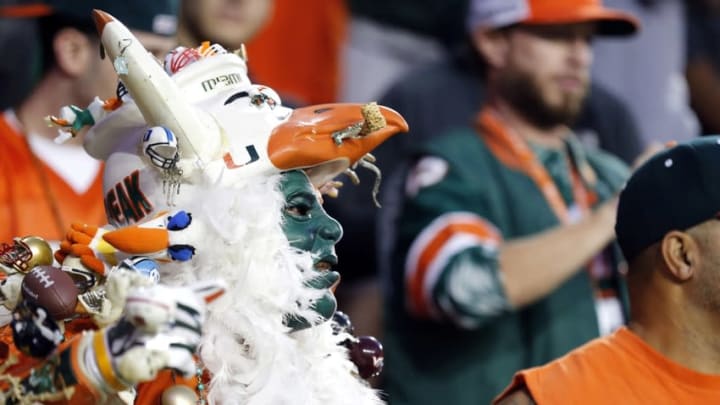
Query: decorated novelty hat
674	190
492	14
227	127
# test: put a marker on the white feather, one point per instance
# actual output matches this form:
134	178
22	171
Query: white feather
252	356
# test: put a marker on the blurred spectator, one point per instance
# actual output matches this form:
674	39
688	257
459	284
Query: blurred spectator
668	352
434	99
293	46
500	259
648	71
703	65
46	185
298	52
226	22
21	64
389	38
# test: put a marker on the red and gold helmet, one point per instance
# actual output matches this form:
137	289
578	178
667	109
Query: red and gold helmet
26	253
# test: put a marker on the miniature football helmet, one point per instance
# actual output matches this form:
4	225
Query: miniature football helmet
180	57
34	332
26	253
161	146
142	265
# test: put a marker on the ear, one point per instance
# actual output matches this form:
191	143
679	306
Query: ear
680	254
73	53
493	45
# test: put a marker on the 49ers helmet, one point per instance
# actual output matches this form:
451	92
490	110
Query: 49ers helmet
26	253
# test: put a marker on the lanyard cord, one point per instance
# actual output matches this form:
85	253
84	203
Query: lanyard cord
510	148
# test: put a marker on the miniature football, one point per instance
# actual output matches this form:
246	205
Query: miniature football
52	289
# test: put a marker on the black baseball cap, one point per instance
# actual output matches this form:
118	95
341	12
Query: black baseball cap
676	189
155	16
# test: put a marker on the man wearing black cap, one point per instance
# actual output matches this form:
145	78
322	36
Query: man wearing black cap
46	185
668	228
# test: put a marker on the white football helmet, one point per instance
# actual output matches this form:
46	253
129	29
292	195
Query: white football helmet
161	146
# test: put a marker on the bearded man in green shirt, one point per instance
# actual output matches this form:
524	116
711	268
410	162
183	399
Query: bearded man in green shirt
503	256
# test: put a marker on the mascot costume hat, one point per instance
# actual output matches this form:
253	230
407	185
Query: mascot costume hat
196	134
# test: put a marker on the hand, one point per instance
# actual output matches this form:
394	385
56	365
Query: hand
649	152
605	215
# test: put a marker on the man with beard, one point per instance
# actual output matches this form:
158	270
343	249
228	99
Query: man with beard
501	259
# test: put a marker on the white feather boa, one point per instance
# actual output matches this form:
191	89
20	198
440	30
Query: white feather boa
252	356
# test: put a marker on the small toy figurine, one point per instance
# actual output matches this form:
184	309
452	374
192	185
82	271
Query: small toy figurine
73	119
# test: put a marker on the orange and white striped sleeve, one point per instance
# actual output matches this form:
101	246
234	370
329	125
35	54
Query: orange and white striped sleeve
451	270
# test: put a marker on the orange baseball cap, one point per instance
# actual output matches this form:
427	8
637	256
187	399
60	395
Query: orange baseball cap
25	10
492	14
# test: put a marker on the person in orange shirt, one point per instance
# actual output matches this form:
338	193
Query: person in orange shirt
293	46
299	51
45	186
225	22
668	227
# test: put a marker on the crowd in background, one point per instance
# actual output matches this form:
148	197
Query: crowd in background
658	85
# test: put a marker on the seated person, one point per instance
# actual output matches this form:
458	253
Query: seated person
668	229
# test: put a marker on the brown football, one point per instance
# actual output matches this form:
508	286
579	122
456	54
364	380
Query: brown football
51	288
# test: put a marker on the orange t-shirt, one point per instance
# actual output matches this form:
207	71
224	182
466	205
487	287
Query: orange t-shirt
616	369
298	52
25	206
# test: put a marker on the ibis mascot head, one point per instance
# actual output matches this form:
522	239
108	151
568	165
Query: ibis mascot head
193	133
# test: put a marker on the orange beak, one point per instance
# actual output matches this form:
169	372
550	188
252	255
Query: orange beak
138	240
101	18
308	140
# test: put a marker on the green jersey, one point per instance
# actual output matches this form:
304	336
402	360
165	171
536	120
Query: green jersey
451	337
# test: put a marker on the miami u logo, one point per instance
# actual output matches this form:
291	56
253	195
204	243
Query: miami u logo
230	163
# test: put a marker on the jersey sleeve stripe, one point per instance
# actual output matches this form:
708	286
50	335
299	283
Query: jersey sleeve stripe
433	249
